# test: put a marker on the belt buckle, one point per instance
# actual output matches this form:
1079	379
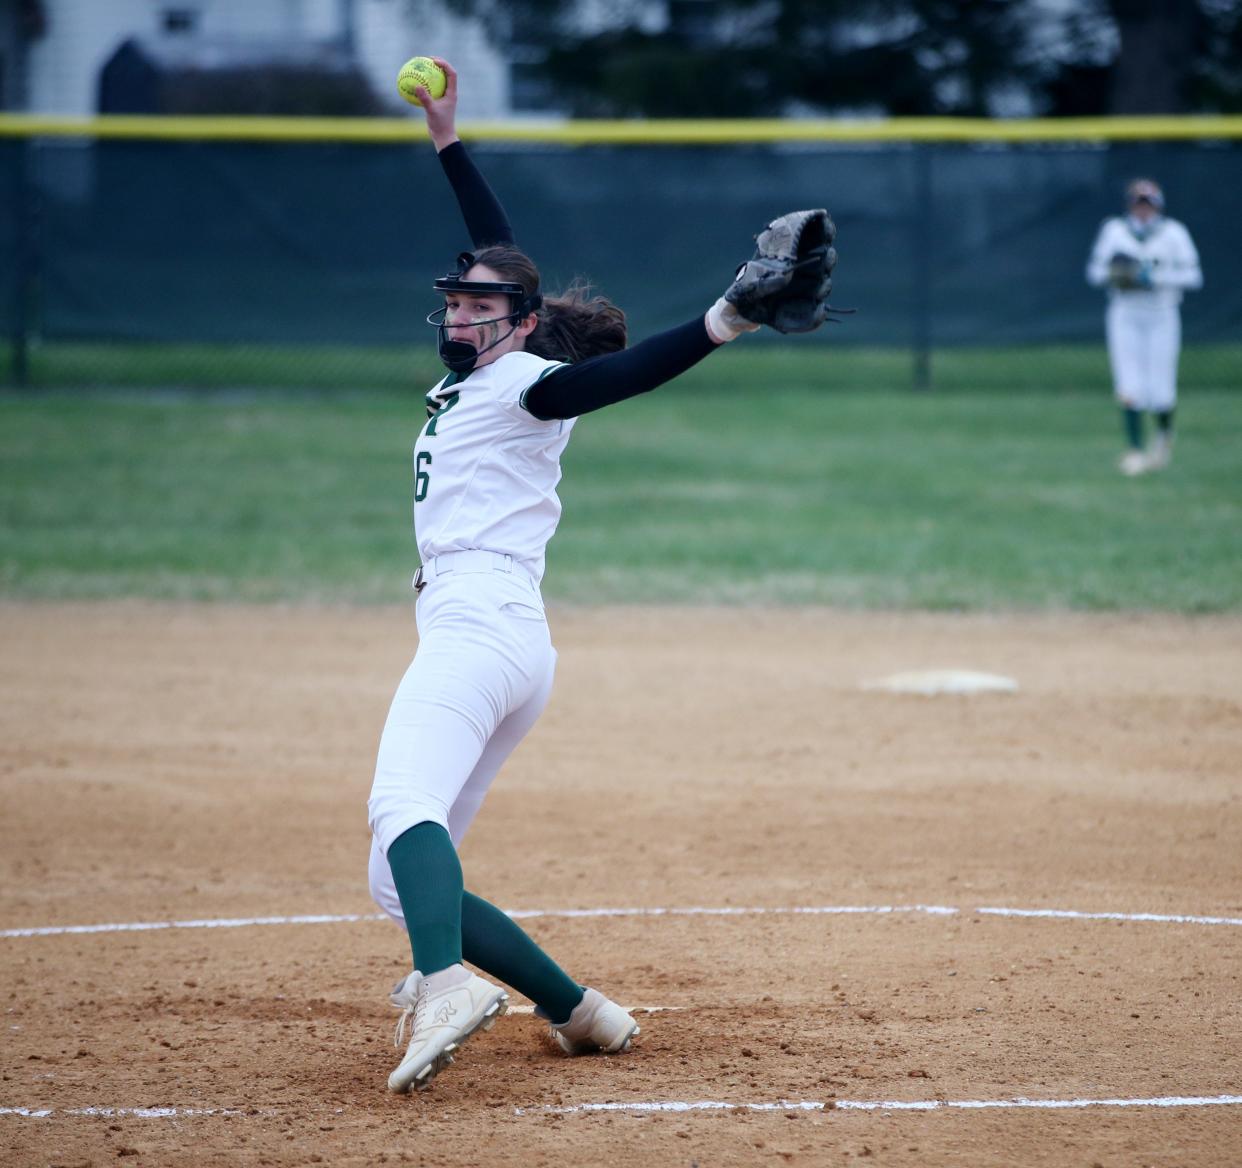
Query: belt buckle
420	581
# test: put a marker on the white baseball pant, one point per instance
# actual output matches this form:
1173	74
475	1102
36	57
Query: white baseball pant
1144	343
478	683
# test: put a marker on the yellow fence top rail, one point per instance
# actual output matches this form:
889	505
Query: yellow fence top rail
671	132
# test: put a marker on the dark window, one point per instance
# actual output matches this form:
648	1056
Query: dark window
180	19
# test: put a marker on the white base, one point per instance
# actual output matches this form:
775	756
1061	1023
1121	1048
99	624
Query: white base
941	681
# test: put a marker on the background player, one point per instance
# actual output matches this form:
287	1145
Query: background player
1146	261
522	369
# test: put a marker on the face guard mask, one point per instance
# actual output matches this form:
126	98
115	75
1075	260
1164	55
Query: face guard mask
1146	192
461	356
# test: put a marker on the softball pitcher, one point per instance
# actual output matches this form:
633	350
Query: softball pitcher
522	368
1146	261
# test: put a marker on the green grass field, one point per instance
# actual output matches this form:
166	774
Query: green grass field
768	476
77	365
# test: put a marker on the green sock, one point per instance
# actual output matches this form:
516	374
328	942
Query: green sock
494	942
1133	421
1164	420
427	873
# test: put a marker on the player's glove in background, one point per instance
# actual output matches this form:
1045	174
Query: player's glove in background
1128	273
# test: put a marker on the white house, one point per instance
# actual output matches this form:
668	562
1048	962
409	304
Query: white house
52	51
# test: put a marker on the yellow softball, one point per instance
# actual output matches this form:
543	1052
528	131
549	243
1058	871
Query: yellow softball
420	71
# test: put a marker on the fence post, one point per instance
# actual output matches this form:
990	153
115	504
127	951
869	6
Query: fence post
23	261
921	233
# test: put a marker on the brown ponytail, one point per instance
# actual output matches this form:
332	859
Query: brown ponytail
577	325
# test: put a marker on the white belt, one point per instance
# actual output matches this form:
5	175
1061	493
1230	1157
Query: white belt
475	560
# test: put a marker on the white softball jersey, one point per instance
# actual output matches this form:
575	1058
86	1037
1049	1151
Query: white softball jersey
1166	251
1143	326
486	470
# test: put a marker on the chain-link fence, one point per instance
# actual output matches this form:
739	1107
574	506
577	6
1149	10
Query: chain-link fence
159	261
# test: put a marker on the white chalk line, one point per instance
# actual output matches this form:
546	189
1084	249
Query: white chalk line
682	1106
217	923
1074	914
688	911
888	1105
1020	1102
129	1112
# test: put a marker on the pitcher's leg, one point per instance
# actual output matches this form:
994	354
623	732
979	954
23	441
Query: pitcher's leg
426	753
443	714
493	941
427	876
503	742
478	682
383	890
465	807
489	938
582	1020
478	669
445	711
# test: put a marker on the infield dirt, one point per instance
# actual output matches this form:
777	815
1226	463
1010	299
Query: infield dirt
170	763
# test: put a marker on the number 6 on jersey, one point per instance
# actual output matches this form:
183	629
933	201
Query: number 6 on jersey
422	480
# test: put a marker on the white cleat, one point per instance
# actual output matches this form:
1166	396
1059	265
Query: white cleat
1161	452
1133	462
404	995
443	1009
595	1025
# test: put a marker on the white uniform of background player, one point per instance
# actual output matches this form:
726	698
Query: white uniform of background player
1146	261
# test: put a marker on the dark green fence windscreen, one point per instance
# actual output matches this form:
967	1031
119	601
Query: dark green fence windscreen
332	243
